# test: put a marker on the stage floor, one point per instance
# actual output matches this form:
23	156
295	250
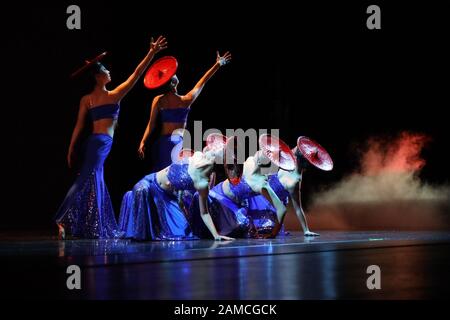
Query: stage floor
414	265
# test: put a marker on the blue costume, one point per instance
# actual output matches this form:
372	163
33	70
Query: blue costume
230	218
247	215
86	211
149	212
161	150
278	188
262	213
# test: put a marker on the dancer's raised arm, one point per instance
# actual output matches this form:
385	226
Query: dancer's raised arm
155	46
195	92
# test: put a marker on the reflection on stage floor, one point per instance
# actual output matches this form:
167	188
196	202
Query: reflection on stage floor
332	266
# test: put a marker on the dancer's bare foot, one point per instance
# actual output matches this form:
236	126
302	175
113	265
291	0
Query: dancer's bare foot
311	234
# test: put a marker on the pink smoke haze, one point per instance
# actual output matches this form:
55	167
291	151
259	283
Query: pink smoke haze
383	192
400	155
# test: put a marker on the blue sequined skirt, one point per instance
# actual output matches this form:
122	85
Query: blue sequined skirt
262	215
252	216
150	213
229	218
161	151
86	211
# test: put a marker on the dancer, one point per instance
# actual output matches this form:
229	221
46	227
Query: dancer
287	183
153	210
173	108
86	211
230	200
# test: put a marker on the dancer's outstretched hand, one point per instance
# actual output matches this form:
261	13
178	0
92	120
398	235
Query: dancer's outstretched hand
158	45
141	150
310	234
220	238
225	59
217	244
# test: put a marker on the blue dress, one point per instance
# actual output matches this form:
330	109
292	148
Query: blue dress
262	213
162	148
246	216
230	216
149	212
86	211
230	219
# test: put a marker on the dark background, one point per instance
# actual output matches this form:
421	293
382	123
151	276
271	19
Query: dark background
309	68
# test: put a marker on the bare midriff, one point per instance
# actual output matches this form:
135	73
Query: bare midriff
169	127
104	126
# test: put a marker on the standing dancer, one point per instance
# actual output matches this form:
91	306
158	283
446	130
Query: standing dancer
86	211
174	108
